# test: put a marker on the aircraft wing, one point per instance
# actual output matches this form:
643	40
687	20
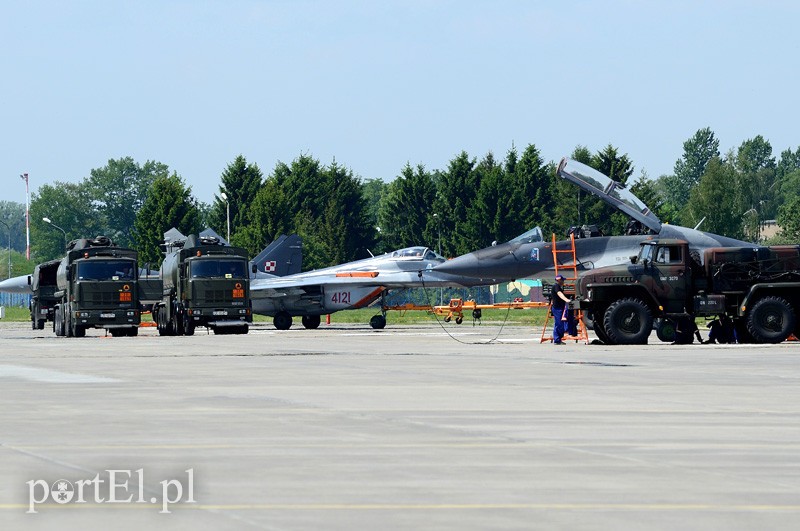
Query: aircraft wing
16	285
609	190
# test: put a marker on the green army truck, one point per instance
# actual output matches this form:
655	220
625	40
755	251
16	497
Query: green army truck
97	288
756	289
43	285
205	284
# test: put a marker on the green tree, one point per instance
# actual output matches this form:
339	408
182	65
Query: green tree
456	189
119	190
531	200
789	220
13	215
345	227
697	151
712	199
755	183
405	216
169	203
69	206
595	211
240	183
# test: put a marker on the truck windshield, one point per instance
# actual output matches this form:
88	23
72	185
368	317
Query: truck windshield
106	270
645	253
218	269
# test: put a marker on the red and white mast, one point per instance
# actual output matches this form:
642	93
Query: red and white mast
24	177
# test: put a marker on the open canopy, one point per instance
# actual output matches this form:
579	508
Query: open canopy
609	190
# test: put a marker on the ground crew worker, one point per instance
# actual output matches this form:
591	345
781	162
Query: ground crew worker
563	320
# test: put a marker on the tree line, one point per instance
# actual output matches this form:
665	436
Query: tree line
465	206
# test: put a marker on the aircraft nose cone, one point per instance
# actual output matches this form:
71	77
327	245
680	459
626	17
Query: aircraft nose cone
466	265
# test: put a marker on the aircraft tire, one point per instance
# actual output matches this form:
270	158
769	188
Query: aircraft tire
311	321
378	322
771	320
282	321
628	322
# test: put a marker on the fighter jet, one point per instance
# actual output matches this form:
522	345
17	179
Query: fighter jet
348	286
515	260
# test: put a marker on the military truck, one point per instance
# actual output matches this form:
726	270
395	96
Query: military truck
756	288
96	288
43	285
205	283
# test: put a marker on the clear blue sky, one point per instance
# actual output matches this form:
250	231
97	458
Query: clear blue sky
376	84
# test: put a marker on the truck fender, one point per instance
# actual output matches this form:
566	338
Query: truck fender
788	290
613	292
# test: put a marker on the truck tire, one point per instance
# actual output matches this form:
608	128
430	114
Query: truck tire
58	322
188	325
594	321
771	320
665	330
628	322
40	324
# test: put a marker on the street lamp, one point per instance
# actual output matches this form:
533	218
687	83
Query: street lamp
47	220
9	247
228	214
439	228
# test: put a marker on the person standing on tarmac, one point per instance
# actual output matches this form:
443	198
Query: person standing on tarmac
563	320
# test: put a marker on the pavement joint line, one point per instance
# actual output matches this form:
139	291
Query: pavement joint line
623	507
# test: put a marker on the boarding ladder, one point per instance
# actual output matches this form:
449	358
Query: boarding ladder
569	284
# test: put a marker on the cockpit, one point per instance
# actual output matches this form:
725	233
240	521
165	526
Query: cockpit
416	253
532	236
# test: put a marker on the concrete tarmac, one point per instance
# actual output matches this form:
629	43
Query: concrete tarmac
346	427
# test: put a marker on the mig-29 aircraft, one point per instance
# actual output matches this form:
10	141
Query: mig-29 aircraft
516	260
349	286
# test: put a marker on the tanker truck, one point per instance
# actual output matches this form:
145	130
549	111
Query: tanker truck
756	289
96	287
205	283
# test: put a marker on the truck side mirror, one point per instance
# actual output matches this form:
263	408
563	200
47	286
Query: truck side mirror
69	273
29	280
645	262
634	258
254	268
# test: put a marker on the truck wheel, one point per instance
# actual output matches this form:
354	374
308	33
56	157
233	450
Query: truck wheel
771	320
628	322
79	331
58	329
282	321
133	331
665	330
596	319
40	324
188	326
311	321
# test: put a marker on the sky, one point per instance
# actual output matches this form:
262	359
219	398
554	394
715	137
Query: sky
378	84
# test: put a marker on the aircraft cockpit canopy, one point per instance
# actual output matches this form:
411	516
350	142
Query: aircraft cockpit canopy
532	236
609	190
416	253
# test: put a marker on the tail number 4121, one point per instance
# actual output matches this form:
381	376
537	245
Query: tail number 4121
341	297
